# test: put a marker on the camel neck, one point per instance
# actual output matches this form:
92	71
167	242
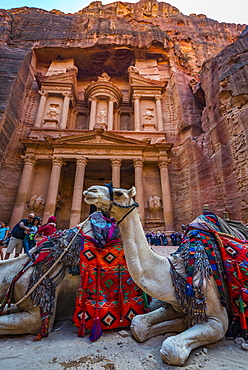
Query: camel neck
138	253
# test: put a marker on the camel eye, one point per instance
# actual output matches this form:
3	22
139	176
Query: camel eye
118	193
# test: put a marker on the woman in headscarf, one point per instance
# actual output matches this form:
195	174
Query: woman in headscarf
49	228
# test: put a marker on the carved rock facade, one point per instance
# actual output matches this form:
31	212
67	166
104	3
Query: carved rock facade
119	92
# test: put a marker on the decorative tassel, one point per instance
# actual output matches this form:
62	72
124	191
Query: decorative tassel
120	296
81	330
189	291
145	300
96	332
242	314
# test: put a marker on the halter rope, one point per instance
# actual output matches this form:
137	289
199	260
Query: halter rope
113	203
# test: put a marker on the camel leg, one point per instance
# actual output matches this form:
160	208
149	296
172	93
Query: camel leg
23	322
175	350
161	321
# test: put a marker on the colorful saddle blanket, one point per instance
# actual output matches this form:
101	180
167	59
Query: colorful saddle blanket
207	251
107	294
234	254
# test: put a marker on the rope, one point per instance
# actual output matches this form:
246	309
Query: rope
47	272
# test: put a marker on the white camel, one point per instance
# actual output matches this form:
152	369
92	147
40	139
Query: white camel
25	318
151	273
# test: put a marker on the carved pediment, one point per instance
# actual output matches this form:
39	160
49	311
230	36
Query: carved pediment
98	137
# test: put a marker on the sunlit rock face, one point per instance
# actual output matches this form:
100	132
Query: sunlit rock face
195	66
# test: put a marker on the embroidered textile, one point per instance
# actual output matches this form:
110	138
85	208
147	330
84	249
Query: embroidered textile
234	254
107	290
205	251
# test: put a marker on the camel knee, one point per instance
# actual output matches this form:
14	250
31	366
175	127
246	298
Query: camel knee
140	327
174	352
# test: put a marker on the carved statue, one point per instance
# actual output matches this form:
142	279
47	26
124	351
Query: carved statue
36	203
154	204
53	111
149	114
101	119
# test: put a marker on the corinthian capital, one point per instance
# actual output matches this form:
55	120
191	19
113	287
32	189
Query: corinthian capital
164	163
158	97
82	161
136	96
67	94
43	93
29	159
138	162
57	161
116	162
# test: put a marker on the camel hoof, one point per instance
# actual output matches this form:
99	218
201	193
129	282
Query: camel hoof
173	353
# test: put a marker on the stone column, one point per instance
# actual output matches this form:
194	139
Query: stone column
65	110
110	114
159	113
116	172
41	109
92	113
138	175
52	192
78	192
163	165
137	125
116	120
21	198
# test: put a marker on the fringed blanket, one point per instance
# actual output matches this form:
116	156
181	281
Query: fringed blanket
206	252
234	254
107	296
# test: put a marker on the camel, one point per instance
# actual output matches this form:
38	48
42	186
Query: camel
25	319
151	273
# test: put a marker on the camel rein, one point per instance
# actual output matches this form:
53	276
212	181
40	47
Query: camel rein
113	203
47	272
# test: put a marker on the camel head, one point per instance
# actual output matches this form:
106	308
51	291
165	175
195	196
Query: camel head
114	201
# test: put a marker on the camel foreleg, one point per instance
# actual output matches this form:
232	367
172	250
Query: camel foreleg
23	322
161	321
175	350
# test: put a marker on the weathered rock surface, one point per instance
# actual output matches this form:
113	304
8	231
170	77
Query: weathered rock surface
204	106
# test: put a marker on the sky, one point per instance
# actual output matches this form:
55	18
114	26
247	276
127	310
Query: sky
221	10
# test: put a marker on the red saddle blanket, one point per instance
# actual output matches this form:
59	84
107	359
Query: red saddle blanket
234	253
107	292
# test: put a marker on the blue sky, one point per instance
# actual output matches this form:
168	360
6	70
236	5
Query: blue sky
221	10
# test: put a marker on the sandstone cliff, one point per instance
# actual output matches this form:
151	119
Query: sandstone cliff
205	122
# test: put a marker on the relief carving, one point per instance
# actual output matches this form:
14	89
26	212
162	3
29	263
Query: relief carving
154	204
149	115
36	203
52	114
101	119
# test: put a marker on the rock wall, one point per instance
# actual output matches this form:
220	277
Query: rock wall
204	105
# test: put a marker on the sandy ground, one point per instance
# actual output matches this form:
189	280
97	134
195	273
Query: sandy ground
115	350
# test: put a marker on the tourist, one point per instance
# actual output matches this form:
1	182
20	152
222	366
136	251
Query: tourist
49	228
153	238
17	236
4	230
164	239
173	238
29	239
158	238
148	237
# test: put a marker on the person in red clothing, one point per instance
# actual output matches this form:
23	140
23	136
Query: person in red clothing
49	228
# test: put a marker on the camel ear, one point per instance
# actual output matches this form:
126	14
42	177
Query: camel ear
132	192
